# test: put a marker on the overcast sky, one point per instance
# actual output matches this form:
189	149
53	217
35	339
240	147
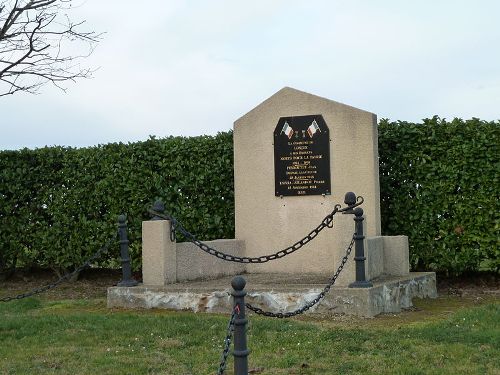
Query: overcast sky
193	67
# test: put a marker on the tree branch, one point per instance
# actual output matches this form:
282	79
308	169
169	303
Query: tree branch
32	36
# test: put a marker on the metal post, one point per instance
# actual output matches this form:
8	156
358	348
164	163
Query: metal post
359	256
127	279
240	351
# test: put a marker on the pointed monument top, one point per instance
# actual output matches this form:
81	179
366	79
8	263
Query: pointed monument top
289	94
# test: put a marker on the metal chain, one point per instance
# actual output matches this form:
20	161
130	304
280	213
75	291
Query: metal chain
47	287
227	341
176	226
318	298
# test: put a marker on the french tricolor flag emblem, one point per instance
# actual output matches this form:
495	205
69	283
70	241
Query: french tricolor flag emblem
313	128
287	129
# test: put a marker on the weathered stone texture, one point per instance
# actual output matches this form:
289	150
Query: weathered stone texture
388	295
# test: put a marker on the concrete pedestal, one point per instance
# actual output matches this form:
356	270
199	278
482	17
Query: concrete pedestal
281	293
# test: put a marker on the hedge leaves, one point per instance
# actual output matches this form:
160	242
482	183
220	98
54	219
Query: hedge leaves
439	186
59	205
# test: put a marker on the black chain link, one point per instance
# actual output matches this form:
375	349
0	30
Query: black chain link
68	276
318	298
227	341
176	226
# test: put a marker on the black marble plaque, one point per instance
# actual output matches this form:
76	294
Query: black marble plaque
302	156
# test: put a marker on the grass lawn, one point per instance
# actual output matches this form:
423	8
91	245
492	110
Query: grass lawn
444	336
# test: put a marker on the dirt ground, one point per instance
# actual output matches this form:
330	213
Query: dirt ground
91	284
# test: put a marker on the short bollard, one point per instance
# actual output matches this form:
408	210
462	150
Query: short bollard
240	351
359	254
127	279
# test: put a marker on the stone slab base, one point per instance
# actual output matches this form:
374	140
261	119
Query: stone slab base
281	293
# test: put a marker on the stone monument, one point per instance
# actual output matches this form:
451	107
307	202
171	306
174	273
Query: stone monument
295	157
289	125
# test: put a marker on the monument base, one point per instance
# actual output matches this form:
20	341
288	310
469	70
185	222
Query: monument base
281	293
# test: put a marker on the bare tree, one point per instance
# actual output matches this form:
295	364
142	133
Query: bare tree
38	43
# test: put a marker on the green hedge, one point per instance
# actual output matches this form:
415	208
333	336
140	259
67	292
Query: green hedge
440	187
59	205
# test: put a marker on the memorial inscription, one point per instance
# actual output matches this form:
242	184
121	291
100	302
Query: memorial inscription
302	156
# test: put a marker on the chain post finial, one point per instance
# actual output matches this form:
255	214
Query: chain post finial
159	207
350	199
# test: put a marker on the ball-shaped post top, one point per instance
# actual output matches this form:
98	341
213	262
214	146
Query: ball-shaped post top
159	206
350	198
358	212
122	219
238	283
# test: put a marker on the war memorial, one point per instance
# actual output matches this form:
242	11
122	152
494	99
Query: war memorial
307	223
